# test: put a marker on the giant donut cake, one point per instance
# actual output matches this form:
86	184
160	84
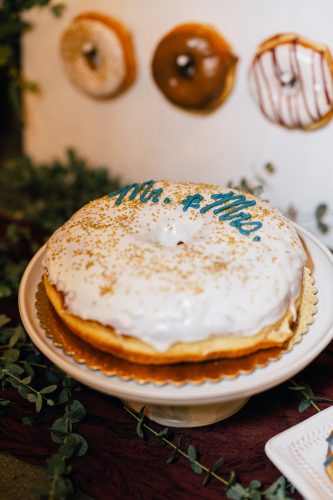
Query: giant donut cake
163	272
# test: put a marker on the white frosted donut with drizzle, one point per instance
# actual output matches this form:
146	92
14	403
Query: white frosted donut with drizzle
291	80
167	263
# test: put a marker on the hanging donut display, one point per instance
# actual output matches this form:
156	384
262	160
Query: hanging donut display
194	67
291	79
98	55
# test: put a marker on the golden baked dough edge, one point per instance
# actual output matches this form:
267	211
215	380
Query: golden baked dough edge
133	349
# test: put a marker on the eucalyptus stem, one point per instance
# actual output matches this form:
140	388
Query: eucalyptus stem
179	450
34	364
7	373
52	493
306	395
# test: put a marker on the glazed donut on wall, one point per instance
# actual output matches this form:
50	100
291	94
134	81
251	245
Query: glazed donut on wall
194	67
291	79
98	55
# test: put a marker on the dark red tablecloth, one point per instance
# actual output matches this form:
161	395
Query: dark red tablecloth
121	465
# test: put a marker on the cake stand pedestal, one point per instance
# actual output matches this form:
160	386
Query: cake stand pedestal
188	416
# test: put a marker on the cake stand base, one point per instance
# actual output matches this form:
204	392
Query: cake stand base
188	416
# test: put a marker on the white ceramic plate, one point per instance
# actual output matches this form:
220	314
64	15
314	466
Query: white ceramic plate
300	452
320	334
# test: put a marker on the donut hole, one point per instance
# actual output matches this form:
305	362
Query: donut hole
91	55
289	82
185	66
173	232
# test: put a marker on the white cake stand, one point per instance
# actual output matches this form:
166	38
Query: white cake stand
193	405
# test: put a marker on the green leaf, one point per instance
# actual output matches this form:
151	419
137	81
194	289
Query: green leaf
139	429
14	369
31	397
11	28
6	53
5	291
56	466
67	449
196	468
28	368
81	445
11	355
39	403
50	402
320	399
192	454
270	168
175	453
298	388
162	433
191	451
54	375
14	338
25	392
28	421
4	320
76	411
232	478
4	402
218	464
255	485
48	389
64	395
236	492
308	390
57	9
304	405
321	211
58	430
323	228
278	490
26	380
64	488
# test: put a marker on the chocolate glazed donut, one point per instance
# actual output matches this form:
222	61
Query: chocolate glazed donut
194	67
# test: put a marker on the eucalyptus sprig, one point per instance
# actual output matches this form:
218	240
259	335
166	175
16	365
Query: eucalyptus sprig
320	214
70	443
279	490
47	194
307	398
17	359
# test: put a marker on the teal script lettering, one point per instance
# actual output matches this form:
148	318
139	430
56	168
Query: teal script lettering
145	190
229	205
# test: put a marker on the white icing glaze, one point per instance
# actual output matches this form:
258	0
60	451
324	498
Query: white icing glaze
121	265
293	82
106	72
